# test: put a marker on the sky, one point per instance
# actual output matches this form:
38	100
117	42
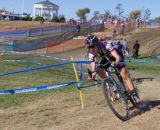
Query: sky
68	8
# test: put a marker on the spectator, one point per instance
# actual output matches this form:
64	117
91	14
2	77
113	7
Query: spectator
125	44
78	29
137	23
122	27
42	21
114	33
136	47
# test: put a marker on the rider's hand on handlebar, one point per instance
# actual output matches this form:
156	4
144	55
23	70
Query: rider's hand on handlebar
91	75
114	64
94	76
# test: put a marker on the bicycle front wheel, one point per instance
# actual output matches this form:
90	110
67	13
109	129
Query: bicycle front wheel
115	99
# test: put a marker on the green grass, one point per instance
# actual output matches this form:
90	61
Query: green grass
7	101
148	69
31	79
45	77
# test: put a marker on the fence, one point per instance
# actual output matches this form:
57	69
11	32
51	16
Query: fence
54	39
44	30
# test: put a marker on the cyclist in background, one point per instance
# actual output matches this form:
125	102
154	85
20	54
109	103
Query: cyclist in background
121	49
98	50
125	44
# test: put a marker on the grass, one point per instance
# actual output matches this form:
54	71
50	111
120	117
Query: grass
25	23
17	23
148	69
30	79
49	76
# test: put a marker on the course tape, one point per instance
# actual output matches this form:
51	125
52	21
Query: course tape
18	52
158	57
88	62
35	89
87	86
142	61
53	57
36	68
21	61
69	62
48	87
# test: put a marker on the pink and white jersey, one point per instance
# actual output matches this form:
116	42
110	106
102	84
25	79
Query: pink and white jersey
104	50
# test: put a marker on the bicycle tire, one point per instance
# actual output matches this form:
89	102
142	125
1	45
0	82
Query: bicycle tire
107	85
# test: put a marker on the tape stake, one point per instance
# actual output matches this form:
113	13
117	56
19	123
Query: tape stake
81	98
80	91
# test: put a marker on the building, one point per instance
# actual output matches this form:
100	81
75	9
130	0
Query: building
45	9
6	15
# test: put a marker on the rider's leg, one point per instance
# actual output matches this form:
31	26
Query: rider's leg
126	77
131	88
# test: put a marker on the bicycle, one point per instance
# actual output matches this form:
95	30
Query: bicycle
115	92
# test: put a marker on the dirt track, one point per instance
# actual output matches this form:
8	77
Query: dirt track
63	112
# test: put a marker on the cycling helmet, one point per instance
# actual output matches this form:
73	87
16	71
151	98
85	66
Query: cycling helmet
118	42
109	41
91	41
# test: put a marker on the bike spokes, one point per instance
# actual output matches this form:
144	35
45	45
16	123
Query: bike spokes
114	98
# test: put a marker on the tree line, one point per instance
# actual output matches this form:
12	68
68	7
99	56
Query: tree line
82	15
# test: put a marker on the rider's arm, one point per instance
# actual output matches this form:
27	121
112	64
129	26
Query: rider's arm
126	52
92	59
93	67
116	56
114	53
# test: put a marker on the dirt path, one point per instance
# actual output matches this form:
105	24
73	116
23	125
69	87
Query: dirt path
63	112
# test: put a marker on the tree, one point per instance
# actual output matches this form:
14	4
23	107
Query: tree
81	13
55	19
120	10
157	19
96	15
147	14
27	18
2	10
135	14
62	18
38	18
106	14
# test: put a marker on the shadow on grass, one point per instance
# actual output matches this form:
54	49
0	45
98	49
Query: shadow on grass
140	80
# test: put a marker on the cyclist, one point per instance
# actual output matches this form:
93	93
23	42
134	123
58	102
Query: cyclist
96	49
125	44
121	49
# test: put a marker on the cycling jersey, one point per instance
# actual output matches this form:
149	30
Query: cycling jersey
120	49
104	51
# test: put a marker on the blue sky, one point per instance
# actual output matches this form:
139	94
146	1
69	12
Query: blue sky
69	7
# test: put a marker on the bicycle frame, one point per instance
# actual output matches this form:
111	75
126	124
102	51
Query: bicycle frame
108	73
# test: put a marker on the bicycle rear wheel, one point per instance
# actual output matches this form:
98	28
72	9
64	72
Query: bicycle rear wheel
115	100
